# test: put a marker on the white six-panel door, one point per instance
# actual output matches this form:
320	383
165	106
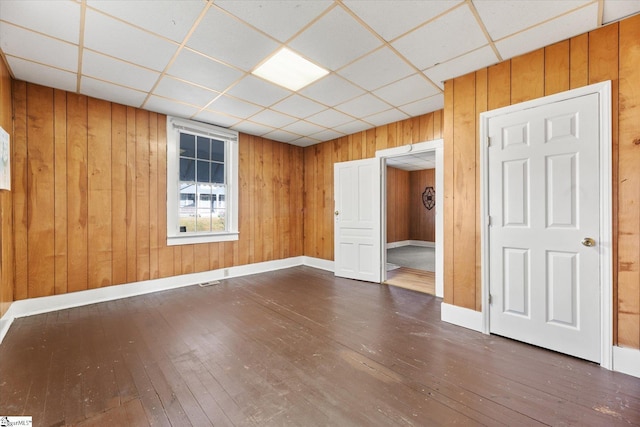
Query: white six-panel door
543	169
357	220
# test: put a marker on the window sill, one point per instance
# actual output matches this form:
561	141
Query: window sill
190	239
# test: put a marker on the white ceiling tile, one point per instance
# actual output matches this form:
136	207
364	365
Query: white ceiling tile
166	106
110	92
298	106
502	18
280	19
363	106
551	32
59	19
385	117
303	128
332	90
235	107
407	90
184	92
329	118
272	118
259	91
392	18
171	19
305	142
215	118
353	127
461	65
326	135
43	75
377	69
335	40
424	106
38	48
449	36
282	136
252	128
618	9
123	41
201	70
126	74
229	40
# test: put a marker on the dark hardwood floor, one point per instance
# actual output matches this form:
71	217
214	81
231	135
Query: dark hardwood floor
293	347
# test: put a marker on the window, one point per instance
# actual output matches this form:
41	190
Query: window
202	183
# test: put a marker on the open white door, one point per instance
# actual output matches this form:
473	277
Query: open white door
544	233
357	220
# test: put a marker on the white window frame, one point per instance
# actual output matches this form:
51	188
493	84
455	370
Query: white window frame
230	138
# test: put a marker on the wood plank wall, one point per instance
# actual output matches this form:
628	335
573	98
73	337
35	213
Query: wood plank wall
90	201
6	199
407	218
609	53
318	171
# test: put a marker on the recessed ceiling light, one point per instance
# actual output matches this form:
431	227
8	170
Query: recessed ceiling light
290	70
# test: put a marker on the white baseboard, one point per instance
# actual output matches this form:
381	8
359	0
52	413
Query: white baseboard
461	316
321	264
402	243
627	361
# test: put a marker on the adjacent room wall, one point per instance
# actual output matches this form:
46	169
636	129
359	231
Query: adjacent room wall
89	199
609	53
6	199
318	171
422	221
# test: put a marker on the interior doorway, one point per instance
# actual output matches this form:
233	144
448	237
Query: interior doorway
411	220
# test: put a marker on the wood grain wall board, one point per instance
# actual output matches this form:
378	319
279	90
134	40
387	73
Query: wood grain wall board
244	204
19	190
448	243
422	220
298	179
527	76
99	227
482	100
188	259
119	193
438	124
132	268
370	141
251	141
267	202
7	259
258	189
603	65
579	61
327	229
214	256
77	184
464	185
41	191
60	208
382	138
556	68
154	268
202	258
392	134
628	295
142	197
499	93
166	253
426	127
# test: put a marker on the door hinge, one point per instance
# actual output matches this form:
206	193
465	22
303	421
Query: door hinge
488	141
489	220
490	299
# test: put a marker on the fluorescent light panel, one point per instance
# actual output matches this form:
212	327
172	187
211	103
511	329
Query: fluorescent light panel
290	70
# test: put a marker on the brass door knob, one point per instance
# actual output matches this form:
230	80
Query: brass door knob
588	241
336	213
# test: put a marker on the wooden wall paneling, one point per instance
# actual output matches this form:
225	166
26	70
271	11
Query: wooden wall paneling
392	218
406	200
40	190
437	124
60	176
628	292
499	85
464	184
99	225
382	140
230	253
77	185
603	65
253	212
201	262
317	193
279	203
422	220
188	259
285	213
269	247
19	189
154	272
426	127
6	198
309	209
328	201
370	142
119	193
527	76
579	61
556	68
482	95
415	130
258	189
142	196
131	224
166	253
448	243
244	215
393	139
298	182
214	256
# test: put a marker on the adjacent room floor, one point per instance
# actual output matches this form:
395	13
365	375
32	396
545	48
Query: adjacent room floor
293	347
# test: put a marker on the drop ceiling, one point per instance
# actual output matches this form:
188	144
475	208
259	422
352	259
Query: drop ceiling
193	58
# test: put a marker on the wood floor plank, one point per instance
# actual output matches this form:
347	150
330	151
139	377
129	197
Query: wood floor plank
293	347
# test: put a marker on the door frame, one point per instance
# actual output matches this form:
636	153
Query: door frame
605	187
420	147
